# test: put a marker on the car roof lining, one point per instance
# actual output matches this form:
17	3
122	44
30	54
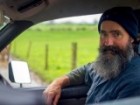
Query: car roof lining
68	8
54	9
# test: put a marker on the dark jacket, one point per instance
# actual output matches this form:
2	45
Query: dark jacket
126	84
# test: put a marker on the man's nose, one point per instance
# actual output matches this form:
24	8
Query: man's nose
109	41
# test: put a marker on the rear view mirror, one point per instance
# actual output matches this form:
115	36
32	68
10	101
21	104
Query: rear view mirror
19	72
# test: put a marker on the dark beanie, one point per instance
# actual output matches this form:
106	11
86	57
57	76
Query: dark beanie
124	16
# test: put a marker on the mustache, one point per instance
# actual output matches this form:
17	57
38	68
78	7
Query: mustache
113	49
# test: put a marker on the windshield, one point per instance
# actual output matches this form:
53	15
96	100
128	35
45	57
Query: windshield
55	47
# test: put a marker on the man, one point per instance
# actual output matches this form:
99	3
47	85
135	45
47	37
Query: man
116	72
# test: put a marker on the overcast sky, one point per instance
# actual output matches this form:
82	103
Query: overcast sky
79	19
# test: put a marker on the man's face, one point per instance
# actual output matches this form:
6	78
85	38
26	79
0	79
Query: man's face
115	49
112	34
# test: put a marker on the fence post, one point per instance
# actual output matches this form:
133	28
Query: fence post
74	55
29	49
46	57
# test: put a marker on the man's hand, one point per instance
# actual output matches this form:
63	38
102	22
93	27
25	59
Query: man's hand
53	92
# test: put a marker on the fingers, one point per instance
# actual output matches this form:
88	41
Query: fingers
52	94
56	99
49	97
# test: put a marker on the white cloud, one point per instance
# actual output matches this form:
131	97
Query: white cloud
79	19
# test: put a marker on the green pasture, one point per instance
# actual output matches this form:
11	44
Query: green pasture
58	38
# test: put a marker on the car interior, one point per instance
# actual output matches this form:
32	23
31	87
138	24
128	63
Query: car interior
23	14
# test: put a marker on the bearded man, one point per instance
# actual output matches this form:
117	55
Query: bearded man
116	72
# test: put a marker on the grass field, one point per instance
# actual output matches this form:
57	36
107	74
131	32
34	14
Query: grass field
59	38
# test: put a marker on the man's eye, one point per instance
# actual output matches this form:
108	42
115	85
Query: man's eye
117	34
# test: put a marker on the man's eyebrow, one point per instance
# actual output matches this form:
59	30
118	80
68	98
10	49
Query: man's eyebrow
112	31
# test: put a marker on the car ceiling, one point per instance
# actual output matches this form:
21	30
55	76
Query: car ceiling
43	10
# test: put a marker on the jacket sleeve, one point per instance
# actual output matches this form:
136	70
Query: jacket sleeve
77	76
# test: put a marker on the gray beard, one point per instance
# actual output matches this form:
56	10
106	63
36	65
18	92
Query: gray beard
110	67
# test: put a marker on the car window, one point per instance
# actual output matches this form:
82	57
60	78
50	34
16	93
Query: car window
56	47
